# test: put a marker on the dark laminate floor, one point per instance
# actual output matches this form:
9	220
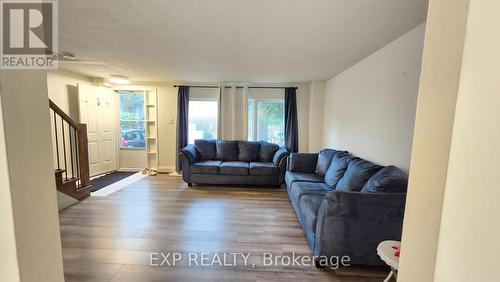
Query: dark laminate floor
112	238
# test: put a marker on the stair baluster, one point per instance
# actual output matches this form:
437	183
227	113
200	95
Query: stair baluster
77	183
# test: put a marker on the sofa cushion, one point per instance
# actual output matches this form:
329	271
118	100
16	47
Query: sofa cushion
337	169
357	174
302	162
390	179
291	177
227	150
248	151
263	169
205	167
300	189
325	158
206	149
309	206
234	168
266	152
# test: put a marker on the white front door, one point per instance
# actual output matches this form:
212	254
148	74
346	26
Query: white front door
97	110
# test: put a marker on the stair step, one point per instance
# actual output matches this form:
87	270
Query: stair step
70	187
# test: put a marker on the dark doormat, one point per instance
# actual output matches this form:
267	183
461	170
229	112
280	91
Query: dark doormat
108	179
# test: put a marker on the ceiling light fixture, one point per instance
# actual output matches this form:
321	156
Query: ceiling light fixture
119	79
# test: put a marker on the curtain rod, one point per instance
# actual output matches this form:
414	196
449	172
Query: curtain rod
254	87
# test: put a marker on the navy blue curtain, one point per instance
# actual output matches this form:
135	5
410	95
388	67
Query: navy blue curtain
182	122
291	123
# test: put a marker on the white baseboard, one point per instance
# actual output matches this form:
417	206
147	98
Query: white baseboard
166	169
161	169
130	169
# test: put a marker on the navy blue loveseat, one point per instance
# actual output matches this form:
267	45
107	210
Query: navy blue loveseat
346	205
233	162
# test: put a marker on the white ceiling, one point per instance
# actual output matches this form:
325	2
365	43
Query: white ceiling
268	41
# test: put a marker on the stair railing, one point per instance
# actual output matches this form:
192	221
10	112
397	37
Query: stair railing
71	147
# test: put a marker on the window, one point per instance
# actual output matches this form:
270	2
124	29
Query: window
202	120
133	134
266	120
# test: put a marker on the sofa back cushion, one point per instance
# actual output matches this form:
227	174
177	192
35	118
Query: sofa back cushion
390	179
325	158
337	169
227	150
248	151
267	151
357	174
206	148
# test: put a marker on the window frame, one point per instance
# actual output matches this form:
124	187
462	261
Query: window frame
255	115
139	92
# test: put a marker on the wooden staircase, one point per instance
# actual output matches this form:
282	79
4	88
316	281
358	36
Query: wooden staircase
70	144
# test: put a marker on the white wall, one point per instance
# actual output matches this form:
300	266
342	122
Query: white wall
31	181
468	246
316	116
370	107
9	270
441	63
132	159
303	97
167	122
62	89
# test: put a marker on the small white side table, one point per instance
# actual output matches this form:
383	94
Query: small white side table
389	252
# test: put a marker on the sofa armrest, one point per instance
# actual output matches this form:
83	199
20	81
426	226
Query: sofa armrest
302	162
190	153
354	223
185	167
281	154
282	164
187	156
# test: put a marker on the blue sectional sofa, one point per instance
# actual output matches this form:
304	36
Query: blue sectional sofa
233	162
346	205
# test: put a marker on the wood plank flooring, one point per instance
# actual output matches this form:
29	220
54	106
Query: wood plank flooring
111	238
